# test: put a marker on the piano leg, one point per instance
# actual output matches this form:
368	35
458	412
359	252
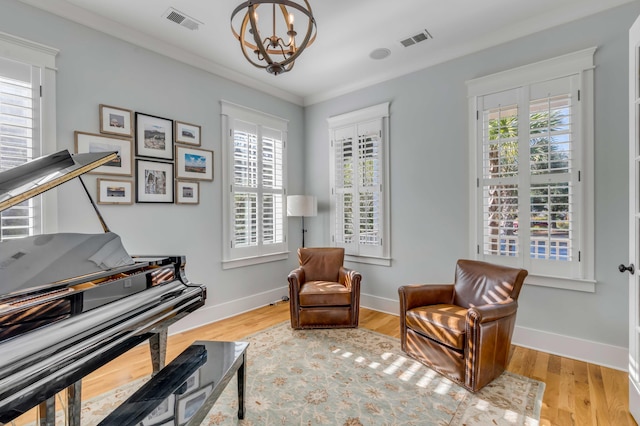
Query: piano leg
158	347
74	402
47	412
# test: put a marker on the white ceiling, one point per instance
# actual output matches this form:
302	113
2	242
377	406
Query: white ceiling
348	30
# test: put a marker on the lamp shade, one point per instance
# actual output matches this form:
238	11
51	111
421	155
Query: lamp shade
302	205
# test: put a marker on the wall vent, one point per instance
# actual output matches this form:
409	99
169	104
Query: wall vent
414	39
182	19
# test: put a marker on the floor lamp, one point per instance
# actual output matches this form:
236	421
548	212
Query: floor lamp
302	205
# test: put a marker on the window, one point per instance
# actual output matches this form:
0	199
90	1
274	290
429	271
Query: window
533	143
359	215
254	180
27	115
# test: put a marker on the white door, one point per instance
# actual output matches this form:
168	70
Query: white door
634	221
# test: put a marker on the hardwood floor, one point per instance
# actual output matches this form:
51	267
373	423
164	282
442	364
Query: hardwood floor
577	393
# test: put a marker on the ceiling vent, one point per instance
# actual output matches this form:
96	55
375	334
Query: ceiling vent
182	19
410	41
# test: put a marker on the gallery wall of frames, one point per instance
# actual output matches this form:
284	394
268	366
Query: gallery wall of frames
159	159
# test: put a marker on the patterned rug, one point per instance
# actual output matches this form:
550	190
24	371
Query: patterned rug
351	377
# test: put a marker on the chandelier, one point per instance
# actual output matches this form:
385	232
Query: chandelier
276	52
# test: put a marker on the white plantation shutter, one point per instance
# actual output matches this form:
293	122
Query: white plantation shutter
245	184
369	198
500	183
555	186
273	186
359	207
531	151
19	140
344	189
254	174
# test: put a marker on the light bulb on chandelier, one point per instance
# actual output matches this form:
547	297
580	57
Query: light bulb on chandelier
272	53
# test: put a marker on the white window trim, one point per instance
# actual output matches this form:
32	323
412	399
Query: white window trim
352	118
582	64
44	57
267	120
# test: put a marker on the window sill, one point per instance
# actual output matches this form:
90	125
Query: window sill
380	261
587	286
248	261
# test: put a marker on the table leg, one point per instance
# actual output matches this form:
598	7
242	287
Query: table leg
74	402
47	412
242	382
158	347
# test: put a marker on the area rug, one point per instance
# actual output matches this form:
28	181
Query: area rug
351	377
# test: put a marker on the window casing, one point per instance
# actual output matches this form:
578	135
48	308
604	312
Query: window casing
27	119
254	177
359	214
532	144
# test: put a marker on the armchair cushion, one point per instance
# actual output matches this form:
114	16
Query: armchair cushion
443	323
322	293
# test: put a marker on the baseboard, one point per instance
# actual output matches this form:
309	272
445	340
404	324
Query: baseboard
213	313
615	357
381	304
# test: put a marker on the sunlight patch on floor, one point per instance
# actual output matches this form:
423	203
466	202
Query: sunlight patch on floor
411	371
482	405
395	366
511	416
443	388
427	379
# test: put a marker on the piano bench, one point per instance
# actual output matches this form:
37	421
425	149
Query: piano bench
185	390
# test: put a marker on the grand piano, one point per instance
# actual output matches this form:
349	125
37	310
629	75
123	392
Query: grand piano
71	302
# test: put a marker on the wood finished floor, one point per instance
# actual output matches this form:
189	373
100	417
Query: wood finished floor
577	393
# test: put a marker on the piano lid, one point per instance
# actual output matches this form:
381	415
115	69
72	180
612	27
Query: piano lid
40	175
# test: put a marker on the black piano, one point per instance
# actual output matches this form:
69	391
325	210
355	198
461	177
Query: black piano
70	302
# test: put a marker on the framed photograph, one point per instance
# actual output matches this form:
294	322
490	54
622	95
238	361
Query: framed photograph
194	163
154	182
189	405
187	192
187	133
116	121
89	142
113	191
154	136
162	412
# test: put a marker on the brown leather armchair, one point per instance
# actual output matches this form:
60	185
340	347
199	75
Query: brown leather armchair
322	292
463	330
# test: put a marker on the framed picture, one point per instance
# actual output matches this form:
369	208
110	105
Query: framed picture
113	191
116	121
189	405
194	163
162	412
154	182
89	142
187	133
187	192
154	136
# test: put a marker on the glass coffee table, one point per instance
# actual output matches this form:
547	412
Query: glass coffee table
183	392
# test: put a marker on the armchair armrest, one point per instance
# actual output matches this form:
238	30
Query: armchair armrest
296	278
349	278
492	312
414	295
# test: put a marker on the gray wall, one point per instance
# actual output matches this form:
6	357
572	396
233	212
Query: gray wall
94	68
429	193
429	176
